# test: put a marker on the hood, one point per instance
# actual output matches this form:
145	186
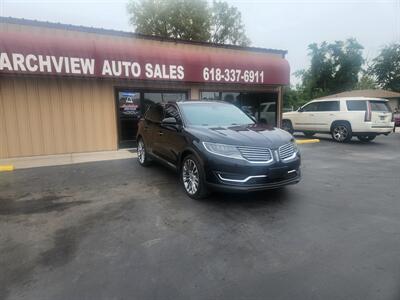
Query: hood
247	135
289	113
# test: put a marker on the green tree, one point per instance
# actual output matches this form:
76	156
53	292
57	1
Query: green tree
366	82
386	68
189	20
226	25
181	19
334	68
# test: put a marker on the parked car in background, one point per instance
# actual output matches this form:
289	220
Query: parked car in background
343	118
215	145
396	117
268	113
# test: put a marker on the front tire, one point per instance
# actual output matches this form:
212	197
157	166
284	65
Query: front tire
341	132
192	178
366	138
143	158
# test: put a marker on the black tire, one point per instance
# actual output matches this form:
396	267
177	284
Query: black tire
143	158
188	174
309	134
366	138
287	126
341	132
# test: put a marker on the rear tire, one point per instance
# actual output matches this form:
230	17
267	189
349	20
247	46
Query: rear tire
143	158
287	126
193	178
366	138
341	132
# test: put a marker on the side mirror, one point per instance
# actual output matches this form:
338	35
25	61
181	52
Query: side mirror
171	124
169	121
300	109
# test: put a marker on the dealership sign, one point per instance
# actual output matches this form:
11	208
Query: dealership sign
94	55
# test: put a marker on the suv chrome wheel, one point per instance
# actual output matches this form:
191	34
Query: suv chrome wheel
190	176
142	154
141	151
341	133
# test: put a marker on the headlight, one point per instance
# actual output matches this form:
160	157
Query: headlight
296	149
223	150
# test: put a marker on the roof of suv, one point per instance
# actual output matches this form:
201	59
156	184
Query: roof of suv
348	98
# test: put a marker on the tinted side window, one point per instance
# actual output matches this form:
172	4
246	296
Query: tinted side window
311	107
271	108
379	106
172	112
356	105
328	106
154	113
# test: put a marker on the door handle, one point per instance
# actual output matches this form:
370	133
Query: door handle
160	133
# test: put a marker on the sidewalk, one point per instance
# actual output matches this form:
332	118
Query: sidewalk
66	159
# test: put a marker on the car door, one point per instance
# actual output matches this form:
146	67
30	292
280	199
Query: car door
171	138
324	116
151	128
304	119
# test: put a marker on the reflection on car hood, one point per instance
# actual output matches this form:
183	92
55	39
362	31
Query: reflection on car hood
246	135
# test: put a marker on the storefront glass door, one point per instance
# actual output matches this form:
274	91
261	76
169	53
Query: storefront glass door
129	113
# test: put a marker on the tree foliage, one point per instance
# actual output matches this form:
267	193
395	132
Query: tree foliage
386	68
227	25
335	67
189	20
366	82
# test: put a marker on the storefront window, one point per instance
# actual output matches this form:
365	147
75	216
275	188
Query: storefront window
210	96
151	98
233	98
260	106
173	97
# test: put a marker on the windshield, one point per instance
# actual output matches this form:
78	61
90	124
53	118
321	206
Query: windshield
214	114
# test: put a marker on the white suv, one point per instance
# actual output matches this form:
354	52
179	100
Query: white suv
342	117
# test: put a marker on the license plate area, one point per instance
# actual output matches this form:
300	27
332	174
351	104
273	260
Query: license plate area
280	172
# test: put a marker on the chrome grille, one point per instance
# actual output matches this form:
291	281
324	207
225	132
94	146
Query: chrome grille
256	154
286	151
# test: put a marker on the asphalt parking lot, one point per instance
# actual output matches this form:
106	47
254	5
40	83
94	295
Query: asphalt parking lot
114	230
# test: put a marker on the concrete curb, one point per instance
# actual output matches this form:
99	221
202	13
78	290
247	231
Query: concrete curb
11	164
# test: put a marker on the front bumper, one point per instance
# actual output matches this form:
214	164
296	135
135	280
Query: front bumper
226	174
258	186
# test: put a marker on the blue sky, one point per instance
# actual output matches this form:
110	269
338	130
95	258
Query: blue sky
284	24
